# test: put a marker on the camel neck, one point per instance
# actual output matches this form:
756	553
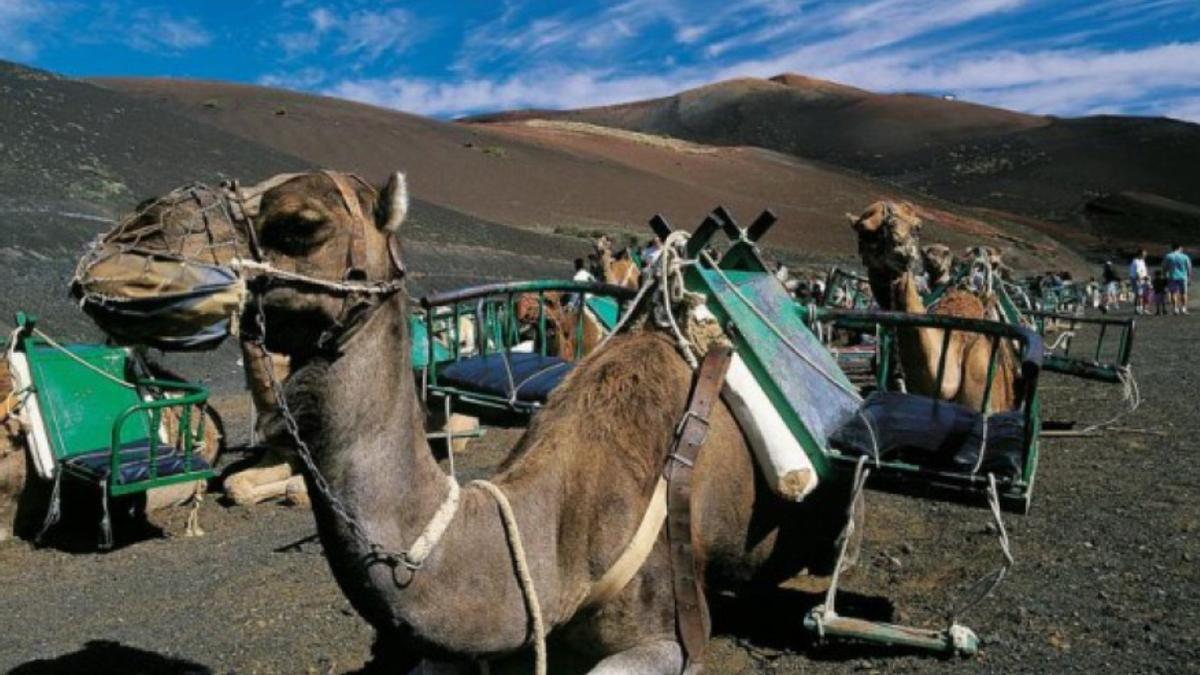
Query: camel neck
368	435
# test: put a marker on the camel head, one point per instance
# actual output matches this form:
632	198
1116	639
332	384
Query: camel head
603	245
326	227
888	244
273	245
938	260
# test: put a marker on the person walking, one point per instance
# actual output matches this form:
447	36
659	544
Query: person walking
1177	266
1139	280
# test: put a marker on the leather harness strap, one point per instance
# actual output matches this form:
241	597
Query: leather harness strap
357	250
691	612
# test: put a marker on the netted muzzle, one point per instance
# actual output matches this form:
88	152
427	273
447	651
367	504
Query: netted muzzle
163	277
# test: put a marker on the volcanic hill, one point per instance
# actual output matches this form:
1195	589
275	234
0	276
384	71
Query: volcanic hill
1106	182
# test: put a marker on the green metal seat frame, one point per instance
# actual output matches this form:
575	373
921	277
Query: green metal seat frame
498	332
92	401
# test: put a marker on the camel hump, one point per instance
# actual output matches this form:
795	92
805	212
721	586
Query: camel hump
961	303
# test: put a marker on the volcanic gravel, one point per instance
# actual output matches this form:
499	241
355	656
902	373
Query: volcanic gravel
1105	580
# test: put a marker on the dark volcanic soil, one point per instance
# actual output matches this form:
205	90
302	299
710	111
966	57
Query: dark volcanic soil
1106	577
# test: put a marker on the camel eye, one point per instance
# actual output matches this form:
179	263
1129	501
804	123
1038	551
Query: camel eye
298	232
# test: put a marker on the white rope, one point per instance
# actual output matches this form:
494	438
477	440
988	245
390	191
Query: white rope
524	579
1131	392
75	357
241	265
993	580
828	609
1061	339
670	264
437	525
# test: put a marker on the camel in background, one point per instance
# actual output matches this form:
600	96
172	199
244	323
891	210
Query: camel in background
562	323
888	244
619	268
578	482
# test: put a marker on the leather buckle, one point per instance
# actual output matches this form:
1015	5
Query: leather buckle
690	414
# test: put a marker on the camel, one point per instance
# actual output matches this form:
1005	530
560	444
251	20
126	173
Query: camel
938	261
887	242
562	323
23	501
619	268
578	482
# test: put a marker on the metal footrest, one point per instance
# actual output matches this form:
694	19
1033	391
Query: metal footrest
957	639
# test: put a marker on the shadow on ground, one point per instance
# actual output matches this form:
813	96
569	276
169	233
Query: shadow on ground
104	657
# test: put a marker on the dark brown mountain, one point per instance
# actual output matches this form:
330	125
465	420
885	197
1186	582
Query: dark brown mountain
1065	170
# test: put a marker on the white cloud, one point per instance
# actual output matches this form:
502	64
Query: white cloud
17	21
969	48
1185	108
155	31
548	88
365	33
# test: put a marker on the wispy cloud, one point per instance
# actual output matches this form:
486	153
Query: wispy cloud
18	18
365	34
543	88
149	30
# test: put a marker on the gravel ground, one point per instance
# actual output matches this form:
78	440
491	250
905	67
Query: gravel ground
1106	574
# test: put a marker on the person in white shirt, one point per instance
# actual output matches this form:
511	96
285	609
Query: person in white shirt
581	272
1139	279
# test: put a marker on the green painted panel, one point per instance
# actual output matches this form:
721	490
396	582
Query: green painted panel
79	404
802	380
420	343
607	310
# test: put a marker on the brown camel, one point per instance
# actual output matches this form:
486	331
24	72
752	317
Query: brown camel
562	323
887	243
578	482
619	268
938	261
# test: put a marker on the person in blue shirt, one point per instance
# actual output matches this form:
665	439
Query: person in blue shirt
1177	266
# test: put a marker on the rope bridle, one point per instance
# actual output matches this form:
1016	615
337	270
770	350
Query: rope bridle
361	296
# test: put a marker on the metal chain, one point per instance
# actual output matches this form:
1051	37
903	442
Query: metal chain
379	553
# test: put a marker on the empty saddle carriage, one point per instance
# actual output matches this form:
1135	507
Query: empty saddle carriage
896	441
92	414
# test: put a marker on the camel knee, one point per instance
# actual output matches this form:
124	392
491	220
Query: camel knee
246	487
661	657
295	492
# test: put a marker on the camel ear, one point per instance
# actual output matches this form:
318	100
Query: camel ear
393	204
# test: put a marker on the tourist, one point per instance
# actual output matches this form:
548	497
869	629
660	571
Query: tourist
650	253
1112	286
1177	267
583	275
581	272
1139	280
1160	293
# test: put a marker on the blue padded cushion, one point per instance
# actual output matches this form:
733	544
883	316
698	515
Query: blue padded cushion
135	462
534	375
934	434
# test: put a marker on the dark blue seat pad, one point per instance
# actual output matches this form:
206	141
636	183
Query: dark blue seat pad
533	375
135	462
935	434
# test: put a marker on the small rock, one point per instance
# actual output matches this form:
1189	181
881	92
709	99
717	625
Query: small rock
906	548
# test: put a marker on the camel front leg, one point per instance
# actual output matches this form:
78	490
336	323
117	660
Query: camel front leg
661	657
268	479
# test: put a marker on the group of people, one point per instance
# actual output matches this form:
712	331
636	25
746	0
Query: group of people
1166	290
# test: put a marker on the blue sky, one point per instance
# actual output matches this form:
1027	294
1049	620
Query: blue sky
455	57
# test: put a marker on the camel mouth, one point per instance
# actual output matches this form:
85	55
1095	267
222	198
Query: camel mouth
160	302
